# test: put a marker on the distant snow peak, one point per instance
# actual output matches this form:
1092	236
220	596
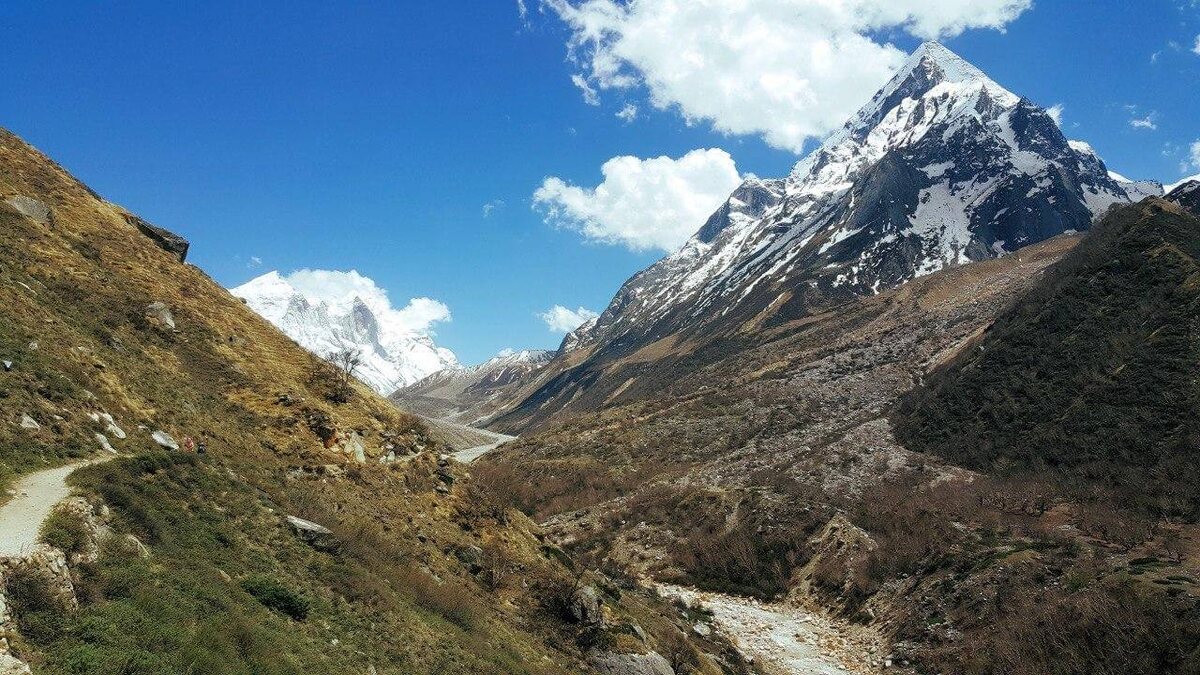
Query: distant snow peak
327	311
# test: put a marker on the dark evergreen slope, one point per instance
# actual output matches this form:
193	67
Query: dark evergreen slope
1092	374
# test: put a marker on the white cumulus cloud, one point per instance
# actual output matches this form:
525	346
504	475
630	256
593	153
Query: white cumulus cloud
643	204
788	70
559	319
628	113
339	289
1196	49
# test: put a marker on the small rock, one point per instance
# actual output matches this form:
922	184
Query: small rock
161	313
104	444
8	366
317	536
28	422
164	439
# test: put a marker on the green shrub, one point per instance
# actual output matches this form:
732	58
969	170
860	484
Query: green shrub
276	597
65	531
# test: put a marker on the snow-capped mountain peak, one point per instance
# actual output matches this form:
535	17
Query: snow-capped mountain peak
943	166
393	354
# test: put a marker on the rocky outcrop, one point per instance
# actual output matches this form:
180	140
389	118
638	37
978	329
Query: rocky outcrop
585	606
841	555
163	238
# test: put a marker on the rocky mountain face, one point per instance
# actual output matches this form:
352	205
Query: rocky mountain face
392	356
942	167
471	395
1187	194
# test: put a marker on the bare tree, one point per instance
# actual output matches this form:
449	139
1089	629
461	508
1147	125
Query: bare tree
346	363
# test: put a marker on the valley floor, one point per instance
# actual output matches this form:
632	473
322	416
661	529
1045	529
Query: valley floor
782	639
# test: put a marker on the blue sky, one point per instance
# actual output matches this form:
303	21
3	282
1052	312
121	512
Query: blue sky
308	135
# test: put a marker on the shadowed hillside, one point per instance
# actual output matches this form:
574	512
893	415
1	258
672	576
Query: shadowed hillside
1093	374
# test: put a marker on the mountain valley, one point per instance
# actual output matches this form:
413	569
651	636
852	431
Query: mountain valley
927	404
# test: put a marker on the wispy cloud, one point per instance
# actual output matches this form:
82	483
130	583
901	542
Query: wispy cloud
628	113
1056	113
492	207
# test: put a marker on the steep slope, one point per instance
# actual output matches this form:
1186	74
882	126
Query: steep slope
942	167
392	355
1092	374
472	395
311	536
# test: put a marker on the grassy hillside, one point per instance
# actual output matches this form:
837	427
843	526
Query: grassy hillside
419	574
1092	375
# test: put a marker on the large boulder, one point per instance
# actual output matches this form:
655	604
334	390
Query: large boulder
164	239
608	663
32	209
585	606
164	440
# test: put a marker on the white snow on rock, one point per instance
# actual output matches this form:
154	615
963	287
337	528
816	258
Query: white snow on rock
395	353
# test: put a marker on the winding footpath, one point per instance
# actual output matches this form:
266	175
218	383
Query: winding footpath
36	495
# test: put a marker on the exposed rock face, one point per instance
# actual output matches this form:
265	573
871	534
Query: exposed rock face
161	314
29	423
164	440
1187	195
163	238
585	607
32	208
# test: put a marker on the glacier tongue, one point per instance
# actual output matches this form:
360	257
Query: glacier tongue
392	356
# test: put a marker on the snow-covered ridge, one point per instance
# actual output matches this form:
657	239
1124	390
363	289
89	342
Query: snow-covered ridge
393	354
1175	186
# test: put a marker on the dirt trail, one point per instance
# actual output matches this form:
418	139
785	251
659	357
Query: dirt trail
36	495
781	639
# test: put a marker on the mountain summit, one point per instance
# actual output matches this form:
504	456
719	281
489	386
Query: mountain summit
393	355
942	167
